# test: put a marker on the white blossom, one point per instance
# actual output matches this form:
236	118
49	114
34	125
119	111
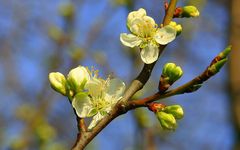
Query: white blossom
99	99
146	34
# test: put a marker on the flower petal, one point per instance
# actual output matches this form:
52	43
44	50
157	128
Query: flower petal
116	87
149	21
77	78
130	40
82	104
95	120
149	54
165	35
94	86
135	14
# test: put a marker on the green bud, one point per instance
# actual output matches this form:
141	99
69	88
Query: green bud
167	121
45	132
177	27
67	10
175	110
55	33
58	82
225	52
77	78
190	11
171	71
217	66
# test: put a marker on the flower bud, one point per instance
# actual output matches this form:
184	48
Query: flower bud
189	11
67	10
177	27
167	121
225	52
175	110
172	72
45	132
215	68
77	78
58	82
56	33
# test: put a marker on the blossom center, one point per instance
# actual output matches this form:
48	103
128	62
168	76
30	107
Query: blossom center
100	103
145	29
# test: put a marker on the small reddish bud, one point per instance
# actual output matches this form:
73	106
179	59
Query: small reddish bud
178	12
166	5
156	107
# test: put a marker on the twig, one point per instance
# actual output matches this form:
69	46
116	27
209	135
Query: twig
185	88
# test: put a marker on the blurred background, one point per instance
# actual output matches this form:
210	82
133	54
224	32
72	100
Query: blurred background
38	37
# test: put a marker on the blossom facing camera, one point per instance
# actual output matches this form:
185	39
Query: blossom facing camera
101	97
146	35
77	78
58	82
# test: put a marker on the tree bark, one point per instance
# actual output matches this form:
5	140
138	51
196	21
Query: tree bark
234	67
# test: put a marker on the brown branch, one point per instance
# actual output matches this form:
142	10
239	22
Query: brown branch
185	88
85	137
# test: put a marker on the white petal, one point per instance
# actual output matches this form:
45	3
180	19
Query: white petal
77	78
94	86
149	54
137	26
150	21
82	104
165	35
116	87
130	40
95	120
135	14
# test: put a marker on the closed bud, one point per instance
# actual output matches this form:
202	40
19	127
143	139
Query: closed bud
175	110
58	82
167	121
225	53
190	11
215	68
55	33
77	78
172	72
177	27
67	10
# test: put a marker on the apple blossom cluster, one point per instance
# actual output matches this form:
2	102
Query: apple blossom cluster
90	95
